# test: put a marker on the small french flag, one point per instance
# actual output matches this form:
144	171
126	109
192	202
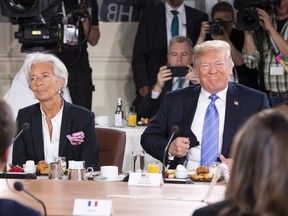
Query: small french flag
92	203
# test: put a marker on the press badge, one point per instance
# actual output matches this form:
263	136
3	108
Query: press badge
276	70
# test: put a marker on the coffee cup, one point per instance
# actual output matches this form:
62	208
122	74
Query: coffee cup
109	172
30	167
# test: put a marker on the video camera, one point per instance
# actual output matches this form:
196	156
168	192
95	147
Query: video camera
247	15
45	24
215	27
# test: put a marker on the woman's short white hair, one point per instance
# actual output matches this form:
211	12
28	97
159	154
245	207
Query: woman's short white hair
58	66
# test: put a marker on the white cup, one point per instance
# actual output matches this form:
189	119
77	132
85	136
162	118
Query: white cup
30	167
102	120
109	172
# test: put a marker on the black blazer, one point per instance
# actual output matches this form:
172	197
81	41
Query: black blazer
179	106
10	207
150	46
30	145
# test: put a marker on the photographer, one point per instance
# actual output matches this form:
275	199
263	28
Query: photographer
76	58
275	52
222	28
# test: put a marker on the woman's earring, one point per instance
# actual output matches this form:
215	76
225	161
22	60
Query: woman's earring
59	91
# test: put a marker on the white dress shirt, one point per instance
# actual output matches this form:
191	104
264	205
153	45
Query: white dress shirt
181	18
51	147
194	155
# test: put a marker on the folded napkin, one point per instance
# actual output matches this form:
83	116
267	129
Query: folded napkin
225	171
76	138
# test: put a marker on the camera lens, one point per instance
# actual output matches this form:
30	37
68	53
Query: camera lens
249	18
216	28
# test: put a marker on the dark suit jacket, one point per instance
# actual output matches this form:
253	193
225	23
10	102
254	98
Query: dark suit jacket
30	146
150	47
12	208
179	106
214	209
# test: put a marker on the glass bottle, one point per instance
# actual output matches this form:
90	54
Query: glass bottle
118	113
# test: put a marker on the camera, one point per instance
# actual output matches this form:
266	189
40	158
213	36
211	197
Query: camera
44	25
178	71
216	27
247	15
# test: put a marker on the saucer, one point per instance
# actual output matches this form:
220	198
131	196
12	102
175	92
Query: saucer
117	179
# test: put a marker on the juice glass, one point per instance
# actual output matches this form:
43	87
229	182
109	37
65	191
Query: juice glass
153	167
132	116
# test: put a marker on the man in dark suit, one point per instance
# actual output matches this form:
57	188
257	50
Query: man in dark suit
7	128
180	53
153	35
186	108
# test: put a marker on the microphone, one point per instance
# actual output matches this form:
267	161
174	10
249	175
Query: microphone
24	127
174	130
20	187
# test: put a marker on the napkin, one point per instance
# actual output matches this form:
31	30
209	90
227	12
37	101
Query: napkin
225	171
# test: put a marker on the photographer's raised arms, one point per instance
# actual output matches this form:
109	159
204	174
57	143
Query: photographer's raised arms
267	49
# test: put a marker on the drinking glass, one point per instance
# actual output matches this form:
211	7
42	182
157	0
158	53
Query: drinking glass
55	171
138	159
132	116
153	166
62	162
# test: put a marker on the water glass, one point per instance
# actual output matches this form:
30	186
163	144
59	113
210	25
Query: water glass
138	160
62	162
55	171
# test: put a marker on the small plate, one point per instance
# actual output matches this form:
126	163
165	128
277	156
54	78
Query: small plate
117	179
206	180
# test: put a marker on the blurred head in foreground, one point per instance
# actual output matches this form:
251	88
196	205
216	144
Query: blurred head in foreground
259	176
7	130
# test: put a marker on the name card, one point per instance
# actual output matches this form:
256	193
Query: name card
145	179
92	207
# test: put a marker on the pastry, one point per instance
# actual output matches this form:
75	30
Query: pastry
42	167
202	170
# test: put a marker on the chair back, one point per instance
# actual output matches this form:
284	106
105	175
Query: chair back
112	146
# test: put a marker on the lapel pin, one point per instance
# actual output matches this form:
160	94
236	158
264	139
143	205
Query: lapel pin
236	103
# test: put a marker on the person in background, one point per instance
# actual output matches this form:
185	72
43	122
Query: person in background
180	53
223	14
259	173
57	128
76	58
229	104
7	129
153	35
275	52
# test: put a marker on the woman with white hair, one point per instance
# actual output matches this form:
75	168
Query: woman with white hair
57	128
